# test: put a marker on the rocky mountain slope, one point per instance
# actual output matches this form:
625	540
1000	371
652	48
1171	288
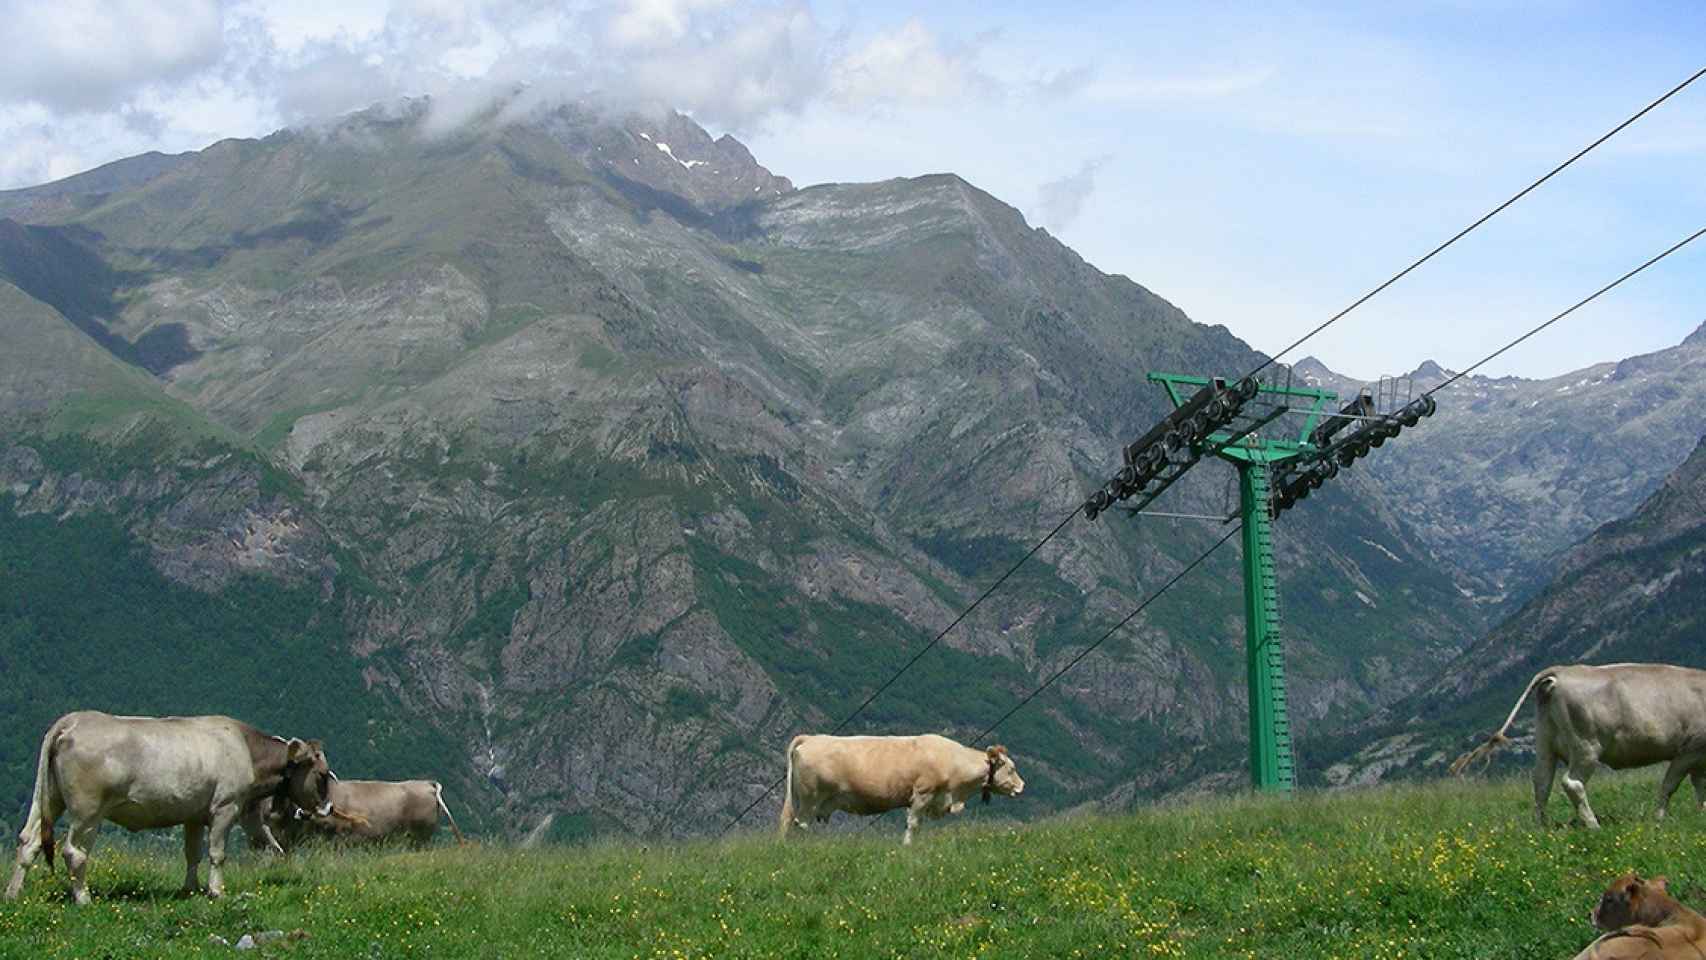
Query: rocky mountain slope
632	460
1629	592
1512	472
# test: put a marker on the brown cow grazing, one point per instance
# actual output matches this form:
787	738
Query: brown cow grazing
1623	715
148	773
1643	922
367	811
930	776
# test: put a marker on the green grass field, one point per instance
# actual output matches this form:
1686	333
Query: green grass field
1438	871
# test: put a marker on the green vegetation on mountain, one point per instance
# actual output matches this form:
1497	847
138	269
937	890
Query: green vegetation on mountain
86	622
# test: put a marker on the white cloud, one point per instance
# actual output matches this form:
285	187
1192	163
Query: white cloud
85	56
731	71
167	70
293	24
655	23
1065	83
906	65
1059	202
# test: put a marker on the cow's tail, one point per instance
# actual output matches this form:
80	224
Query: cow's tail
1539	686
41	802
438	794
787	820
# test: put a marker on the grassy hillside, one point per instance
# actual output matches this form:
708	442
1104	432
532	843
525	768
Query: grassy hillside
1441	871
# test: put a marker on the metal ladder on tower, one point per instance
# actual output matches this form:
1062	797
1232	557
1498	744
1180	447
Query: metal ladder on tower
1272	763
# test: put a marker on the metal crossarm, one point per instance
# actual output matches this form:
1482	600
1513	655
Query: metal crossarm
1212	418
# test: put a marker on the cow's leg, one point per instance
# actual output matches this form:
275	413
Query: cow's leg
223	819
1698	777
15	885
914	813
256	829
809	813
79	844
1545	768
29	847
194	833
1576	787
1674	773
30	842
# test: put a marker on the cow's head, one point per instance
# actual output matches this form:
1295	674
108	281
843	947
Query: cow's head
307	776
1631	900
1003	777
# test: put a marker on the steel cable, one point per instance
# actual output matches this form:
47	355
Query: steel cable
915	658
1673	91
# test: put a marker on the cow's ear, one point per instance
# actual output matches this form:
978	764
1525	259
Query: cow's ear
295	751
995	753
1659	884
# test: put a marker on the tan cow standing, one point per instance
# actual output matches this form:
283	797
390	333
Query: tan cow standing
368	811
1623	715
148	773
929	775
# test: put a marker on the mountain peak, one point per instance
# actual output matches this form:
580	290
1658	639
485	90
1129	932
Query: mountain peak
1430	370
650	153
1313	371
664	151
1697	338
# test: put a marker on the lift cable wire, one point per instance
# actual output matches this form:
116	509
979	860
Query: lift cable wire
916	656
1488	216
1193	564
1578	305
1111	631
1270	360
978	740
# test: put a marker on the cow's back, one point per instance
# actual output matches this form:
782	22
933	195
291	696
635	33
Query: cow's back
1634	714
871	774
148	772
386	808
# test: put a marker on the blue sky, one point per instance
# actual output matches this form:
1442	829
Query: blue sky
1260	166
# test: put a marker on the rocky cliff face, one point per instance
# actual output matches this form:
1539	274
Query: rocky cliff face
635	461
203	520
1511	472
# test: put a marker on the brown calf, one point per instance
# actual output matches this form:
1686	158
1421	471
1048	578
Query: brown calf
1644	922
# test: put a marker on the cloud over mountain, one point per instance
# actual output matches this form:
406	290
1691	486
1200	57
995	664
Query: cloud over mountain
101	80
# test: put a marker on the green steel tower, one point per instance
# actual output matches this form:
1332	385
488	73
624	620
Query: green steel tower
1274	472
